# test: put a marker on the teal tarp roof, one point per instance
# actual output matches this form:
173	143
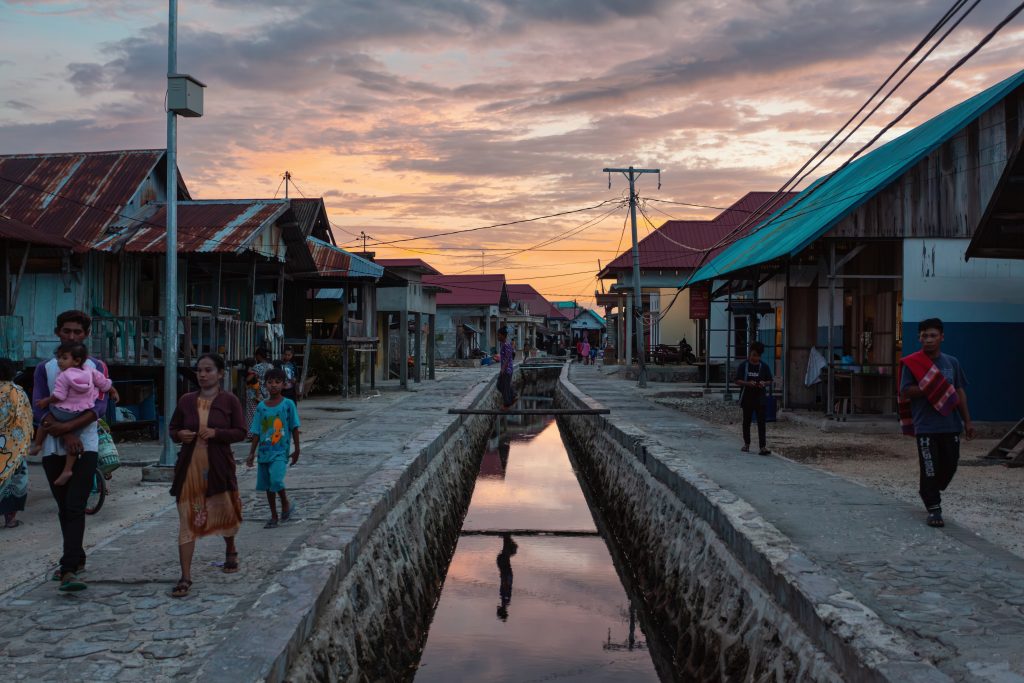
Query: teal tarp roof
809	215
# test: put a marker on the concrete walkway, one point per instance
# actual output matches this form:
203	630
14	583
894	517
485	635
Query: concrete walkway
126	627
956	597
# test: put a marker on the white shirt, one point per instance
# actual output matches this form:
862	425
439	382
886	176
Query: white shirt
90	435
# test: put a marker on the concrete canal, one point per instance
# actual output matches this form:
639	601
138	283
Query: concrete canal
531	592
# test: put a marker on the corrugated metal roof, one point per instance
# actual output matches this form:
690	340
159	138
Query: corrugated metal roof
537	303
311	215
470	290
664	248
227	226
74	196
834	197
333	262
416	264
11	229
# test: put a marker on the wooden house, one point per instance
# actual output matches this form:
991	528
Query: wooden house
407	320
469	313
851	265
53	209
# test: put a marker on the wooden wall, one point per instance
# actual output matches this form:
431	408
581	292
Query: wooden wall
945	194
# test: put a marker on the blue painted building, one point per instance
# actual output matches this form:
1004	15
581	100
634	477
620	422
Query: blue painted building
856	260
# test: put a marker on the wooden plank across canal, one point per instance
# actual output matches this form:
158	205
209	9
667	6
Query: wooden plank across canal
529	411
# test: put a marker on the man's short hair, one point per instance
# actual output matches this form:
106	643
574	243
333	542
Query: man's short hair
929	324
75	316
757	347
275	373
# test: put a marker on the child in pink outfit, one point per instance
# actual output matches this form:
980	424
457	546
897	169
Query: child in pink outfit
75	391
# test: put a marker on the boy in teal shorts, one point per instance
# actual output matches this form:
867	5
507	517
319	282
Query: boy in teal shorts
274	426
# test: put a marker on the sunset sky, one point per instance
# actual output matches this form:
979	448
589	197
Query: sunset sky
417	116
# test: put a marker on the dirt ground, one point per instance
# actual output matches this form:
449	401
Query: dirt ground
987	499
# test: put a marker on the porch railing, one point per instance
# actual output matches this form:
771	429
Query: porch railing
139	340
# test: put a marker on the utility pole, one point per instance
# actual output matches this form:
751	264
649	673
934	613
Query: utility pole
287	178
483	262
167	454
364	236
632	174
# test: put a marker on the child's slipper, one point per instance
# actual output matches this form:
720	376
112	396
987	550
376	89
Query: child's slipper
287	514
271	524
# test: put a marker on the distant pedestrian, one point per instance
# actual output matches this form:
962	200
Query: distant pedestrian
290	375
74	392
77	437
15	436
275	427
255	382
206	423
753	377
585	351
933	408
506	356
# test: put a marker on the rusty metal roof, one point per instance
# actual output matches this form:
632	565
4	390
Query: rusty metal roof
74	196
333	262
227	226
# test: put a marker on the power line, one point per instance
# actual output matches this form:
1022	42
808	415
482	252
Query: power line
497	225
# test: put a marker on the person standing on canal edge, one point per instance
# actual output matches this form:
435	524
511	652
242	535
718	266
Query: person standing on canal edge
507	357
753	376
274	428
933	408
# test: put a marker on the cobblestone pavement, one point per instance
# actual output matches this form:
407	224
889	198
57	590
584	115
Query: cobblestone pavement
126	627
956	597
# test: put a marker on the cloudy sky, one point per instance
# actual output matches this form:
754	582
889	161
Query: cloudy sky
417	116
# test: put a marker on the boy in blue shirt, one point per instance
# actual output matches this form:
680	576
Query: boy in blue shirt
274	426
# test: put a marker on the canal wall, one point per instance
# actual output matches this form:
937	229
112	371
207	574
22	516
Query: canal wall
735	599
377	564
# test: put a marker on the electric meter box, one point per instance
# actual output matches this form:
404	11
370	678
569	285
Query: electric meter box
185	95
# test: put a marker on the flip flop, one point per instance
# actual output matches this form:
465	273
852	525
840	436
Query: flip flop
14	524
285	516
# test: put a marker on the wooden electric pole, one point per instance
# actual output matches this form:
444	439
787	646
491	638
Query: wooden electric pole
632	174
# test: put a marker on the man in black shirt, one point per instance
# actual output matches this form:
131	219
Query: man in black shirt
753	376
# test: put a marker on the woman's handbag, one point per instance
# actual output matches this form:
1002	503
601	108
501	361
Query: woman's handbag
108	460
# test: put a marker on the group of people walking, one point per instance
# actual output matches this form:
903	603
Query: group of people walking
70	393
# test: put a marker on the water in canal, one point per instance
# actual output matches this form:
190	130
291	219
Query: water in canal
531	593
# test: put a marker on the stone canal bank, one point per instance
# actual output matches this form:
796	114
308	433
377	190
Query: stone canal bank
357	477
762	567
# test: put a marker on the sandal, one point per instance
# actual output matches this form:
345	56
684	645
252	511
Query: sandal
935	519
230	565
746	448
182	589
285	516
271	523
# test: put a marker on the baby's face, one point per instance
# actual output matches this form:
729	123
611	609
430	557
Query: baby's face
65	361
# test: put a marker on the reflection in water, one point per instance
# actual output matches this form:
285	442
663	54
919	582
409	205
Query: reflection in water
508	549
572	619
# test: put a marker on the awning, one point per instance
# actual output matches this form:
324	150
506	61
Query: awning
471	328
829	200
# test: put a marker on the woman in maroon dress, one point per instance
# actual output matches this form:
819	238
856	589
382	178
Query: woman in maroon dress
206	423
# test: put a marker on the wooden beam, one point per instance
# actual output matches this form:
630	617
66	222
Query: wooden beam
530	411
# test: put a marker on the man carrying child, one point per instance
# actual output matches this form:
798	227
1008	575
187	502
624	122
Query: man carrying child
274	427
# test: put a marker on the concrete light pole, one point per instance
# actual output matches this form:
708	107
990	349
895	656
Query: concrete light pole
167	455
632	174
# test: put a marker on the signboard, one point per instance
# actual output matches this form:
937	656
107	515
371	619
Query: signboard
700	301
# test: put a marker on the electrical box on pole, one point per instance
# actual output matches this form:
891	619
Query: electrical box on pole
185	95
